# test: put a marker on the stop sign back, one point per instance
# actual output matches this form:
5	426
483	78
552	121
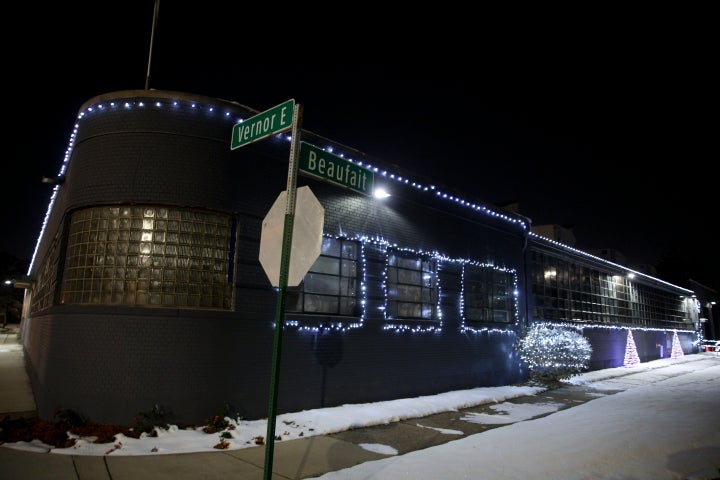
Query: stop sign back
306	244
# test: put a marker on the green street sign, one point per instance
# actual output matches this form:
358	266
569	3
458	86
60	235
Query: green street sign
272	121
316	162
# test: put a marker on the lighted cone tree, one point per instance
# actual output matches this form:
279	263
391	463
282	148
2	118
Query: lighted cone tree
676	347
631	355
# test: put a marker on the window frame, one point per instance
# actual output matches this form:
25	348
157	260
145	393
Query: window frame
495	294
339	266
412	291
149	256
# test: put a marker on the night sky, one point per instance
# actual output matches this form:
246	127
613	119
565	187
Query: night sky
611	138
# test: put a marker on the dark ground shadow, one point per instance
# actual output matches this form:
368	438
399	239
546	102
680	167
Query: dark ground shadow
701	463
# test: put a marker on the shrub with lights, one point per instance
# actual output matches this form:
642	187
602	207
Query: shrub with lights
554	353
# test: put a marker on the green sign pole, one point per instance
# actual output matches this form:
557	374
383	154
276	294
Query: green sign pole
282	285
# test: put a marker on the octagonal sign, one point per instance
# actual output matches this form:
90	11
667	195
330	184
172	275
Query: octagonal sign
306	241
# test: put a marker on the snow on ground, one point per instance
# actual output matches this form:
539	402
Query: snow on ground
291	426
663	424
665	419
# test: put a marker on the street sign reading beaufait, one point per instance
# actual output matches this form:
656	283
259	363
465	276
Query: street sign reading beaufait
275	120
324	165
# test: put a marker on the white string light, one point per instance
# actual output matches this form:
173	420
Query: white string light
128	104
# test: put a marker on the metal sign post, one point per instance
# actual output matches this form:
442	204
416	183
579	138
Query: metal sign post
284	270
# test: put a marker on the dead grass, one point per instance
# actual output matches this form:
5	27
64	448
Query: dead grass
28	429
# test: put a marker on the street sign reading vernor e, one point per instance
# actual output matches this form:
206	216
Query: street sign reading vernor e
322	164
274	120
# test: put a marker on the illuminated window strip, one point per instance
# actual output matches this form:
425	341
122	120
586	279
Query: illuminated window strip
641	301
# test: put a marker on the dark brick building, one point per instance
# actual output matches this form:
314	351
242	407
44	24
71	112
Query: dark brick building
147	289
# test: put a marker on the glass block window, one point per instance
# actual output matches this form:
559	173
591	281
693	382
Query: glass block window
331	285
487	294
412	289
148	256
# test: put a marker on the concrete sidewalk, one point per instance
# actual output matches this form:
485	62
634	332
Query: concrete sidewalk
294	459
16	397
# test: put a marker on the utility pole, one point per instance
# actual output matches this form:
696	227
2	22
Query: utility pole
152	38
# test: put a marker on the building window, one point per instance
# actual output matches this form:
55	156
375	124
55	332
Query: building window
564	290
487	294
44	290
148	256
412	290
331	285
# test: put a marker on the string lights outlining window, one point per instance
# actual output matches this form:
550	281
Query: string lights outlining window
422	323
490	296
360	299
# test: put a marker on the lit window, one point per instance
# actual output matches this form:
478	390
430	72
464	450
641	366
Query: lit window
487	294
331	285
412	291
148	256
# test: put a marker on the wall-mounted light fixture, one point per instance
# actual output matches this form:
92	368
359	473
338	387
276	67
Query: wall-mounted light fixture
59	180
23	282
380	193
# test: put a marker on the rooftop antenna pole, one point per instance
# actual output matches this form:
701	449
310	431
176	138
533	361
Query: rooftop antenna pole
152	36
